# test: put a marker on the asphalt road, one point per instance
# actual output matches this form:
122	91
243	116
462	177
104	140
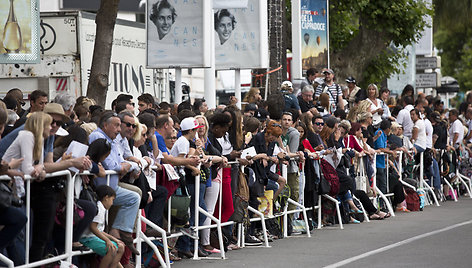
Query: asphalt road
436	237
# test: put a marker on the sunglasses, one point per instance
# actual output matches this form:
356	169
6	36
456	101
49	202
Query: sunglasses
57	122
129	124
276	125
172	138
319	124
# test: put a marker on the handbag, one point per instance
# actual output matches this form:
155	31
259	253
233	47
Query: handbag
6	196
323	187
361	179
89	194
77	215
180	204
299	226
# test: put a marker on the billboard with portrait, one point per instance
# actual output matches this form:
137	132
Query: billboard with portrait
241	40
19	25
314	34
178	33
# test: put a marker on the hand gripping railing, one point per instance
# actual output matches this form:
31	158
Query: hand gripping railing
67	255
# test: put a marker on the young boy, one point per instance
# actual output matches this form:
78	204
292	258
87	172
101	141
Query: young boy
96	239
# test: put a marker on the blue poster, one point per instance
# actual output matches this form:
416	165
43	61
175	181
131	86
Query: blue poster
314	34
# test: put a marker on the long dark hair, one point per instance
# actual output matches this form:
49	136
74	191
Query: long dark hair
97	149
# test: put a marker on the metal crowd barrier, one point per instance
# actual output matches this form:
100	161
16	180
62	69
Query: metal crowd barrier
67	255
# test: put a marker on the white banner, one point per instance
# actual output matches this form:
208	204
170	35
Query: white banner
177	33
218	4
128	74
241	40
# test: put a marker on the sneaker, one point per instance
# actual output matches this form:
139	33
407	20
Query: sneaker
252	241
233	247
189	232
402	209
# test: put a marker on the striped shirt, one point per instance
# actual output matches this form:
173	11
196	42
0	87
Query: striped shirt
333	91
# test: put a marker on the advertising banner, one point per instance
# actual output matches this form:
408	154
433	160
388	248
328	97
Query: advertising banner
19	24
128	73
178	33
241	40
217	4
314	34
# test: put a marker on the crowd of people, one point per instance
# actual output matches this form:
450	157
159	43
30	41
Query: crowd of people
324	133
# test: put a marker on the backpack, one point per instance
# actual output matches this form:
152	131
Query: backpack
331	176
412	200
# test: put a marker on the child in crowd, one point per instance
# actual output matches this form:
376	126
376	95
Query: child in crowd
96	239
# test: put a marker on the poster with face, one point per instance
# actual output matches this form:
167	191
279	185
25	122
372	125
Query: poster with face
177	33
314	33
241	36
19	31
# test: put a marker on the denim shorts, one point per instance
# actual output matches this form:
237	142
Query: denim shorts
96	244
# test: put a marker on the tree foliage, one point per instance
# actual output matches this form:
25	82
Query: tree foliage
453	37
363	32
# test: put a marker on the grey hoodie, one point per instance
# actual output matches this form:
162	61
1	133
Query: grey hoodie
293	141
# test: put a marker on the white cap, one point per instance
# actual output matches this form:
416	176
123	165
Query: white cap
286	84
189	123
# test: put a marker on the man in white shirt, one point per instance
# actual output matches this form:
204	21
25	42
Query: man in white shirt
404	118
468	116
418	135
456	130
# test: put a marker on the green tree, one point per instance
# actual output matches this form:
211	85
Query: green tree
363	33
452	37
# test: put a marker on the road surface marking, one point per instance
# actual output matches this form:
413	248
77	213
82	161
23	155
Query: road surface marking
397	244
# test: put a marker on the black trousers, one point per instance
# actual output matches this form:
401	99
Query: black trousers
43	205
155	209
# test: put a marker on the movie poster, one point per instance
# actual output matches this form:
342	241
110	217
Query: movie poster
314	34
241	40
19	40
177	33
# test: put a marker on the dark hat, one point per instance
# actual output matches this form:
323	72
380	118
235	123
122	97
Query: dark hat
436	116
261	114
350	79
250	107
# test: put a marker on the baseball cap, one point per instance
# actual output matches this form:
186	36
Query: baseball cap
350	79
436	116
327	70
189	123
286	84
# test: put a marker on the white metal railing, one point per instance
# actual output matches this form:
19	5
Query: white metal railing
67	255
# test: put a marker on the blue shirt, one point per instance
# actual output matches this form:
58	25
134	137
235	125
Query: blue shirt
114	159
161	143
10	138
381	142
291	102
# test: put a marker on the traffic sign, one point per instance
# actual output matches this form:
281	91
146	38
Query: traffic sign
423	63
427	80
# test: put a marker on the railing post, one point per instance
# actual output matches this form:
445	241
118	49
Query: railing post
69	215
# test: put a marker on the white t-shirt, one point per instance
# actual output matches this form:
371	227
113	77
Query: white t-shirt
181	146
99	218
226	145
456	127
421	139
376	117
404	119
429	133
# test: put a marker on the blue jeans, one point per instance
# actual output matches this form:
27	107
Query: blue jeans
419	149
12	235
382	179
436	174
126	216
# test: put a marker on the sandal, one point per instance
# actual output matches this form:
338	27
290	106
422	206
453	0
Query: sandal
375	217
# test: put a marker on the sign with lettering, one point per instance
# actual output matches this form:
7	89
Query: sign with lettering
314	34
128	73
423	63
178	33
241	40
426	80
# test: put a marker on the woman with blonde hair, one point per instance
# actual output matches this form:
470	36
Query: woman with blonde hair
376	105
362	107
29	145
253	96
